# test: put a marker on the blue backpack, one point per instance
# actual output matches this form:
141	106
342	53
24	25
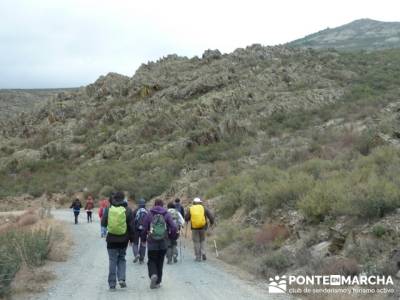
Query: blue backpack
139	217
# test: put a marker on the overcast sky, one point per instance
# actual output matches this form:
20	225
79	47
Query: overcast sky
68	43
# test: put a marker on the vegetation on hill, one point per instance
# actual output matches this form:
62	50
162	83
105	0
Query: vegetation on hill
285	142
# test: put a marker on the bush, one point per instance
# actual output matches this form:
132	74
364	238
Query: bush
374	198
378	230
30	247
277	261
322	199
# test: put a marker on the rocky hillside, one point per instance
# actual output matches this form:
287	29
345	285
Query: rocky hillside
364	34
13	102
295	147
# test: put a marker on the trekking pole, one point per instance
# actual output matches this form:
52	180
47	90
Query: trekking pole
216	249
180	249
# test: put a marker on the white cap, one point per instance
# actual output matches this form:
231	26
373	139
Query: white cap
197	200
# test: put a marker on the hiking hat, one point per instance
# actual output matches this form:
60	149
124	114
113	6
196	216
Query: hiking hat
197	200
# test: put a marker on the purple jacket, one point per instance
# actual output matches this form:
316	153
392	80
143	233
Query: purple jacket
172	230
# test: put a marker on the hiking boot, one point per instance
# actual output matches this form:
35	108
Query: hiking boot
135	260
122	283
204	257
153	281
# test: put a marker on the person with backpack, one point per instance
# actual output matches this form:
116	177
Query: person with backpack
138	246
179	207
103	205
118	219
172	250
197	214
157	227
89	208
76	208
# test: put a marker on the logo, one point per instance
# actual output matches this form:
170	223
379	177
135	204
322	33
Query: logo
277	285
317	284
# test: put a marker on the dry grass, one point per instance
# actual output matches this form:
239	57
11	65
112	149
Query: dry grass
37	238
61	241
29	280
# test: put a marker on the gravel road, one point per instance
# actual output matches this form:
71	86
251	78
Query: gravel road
84	275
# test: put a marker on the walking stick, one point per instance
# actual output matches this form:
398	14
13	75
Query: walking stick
180	249
216	249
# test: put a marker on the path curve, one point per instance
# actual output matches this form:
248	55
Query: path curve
84	275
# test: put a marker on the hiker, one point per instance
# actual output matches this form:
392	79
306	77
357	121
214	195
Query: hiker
172	250
76	208
89	208
197	214
157	227
138	246
117	218
179	207
103	205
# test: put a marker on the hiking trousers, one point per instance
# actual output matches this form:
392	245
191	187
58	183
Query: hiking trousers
172	251
76	214
138	247
117	266
155	263
199	242
103	231
89	216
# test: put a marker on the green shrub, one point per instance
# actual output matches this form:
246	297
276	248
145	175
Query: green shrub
374	198
322	199
378	230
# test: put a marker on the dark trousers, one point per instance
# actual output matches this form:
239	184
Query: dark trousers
155	263
89	216
76	214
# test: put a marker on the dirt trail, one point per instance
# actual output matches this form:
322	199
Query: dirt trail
84	275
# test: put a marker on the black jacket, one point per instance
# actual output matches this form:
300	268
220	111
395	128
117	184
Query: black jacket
119	241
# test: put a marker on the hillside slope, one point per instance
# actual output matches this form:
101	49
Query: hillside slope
295	149
13	102
363	34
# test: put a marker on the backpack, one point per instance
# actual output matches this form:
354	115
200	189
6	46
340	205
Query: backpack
139	217
174	214
158	228
117	220
197	216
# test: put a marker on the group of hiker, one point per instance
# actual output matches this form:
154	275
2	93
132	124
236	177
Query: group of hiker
156	230
77	205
